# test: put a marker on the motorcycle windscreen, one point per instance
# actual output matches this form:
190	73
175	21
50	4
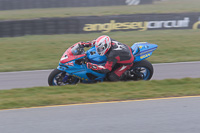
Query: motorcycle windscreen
72	53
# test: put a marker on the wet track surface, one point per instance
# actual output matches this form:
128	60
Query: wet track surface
23	79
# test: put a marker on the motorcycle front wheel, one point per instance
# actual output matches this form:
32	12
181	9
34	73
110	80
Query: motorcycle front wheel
59	78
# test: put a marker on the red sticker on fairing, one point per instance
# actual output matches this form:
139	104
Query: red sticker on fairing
69	64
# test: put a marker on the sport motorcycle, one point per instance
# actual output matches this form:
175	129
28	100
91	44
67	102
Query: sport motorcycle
72	68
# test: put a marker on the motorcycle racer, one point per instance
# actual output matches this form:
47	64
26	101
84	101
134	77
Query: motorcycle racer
116	53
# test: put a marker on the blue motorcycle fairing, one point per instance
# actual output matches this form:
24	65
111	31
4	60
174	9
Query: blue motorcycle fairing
142	50
94	57
80	71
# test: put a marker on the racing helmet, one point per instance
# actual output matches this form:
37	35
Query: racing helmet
103	44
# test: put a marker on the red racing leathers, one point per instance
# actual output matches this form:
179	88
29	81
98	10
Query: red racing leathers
118	54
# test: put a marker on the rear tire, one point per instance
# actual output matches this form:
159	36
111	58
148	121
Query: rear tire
142	70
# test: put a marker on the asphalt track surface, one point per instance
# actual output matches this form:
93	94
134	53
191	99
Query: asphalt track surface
176	115
170	115
23	79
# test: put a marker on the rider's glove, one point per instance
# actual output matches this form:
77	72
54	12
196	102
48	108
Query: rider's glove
92	66
93	42
81	44
87	44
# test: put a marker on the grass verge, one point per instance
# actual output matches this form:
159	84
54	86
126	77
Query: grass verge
44	52
100	92
169	6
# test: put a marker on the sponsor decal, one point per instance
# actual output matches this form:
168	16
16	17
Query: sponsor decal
69	64
132	2
196	25
80	77
107	27
63	58
123	67
144	56
119	47
139	26
169	23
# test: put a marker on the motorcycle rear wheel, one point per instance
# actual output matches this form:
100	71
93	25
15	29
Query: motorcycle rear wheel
142	70
59	78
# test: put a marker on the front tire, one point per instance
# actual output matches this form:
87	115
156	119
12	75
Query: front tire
59	78
142	70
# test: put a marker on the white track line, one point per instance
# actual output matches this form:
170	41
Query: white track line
123	101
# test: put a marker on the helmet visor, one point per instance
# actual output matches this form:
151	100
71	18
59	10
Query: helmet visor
100	50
